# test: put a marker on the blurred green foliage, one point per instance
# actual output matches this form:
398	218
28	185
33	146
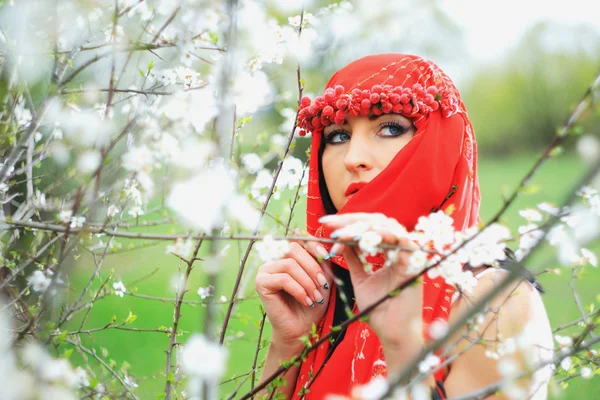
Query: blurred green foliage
519	102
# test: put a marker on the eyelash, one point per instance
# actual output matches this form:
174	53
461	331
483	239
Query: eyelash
388	124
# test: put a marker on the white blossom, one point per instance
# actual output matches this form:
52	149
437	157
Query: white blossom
373	390
308	18
586	372
39	199
438	329
240	209
515	392
588	257
82	377
181	248
65	216
130	382
132	192
548	208
139	159
586	192
430	362
418	261
508	367
112	211
119	288
203	359
39	281
566	363
89	161
252	162
77	222
136	211
564	341
531	215
202	200
369	241
205	292
269	249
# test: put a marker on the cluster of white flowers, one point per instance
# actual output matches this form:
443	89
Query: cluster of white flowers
132	193
206	211
269	249
252	162
203	359
66	217
436	229
30	372
578	225
181	248
112	210
205	292
369	241
181	75
291	175
485	247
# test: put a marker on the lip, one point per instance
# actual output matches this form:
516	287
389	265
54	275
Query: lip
353	188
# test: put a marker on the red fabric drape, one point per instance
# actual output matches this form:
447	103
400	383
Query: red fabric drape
441	154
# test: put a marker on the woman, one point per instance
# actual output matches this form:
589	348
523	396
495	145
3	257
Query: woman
391	141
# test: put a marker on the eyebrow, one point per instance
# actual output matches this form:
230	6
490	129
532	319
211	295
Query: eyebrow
372	117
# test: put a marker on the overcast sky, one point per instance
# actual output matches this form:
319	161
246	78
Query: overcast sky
491	26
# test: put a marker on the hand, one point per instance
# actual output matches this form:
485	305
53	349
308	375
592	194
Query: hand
398	321
295	292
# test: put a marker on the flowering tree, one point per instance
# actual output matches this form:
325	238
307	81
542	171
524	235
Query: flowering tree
126	127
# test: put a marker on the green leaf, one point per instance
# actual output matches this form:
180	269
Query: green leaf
151	65
130	318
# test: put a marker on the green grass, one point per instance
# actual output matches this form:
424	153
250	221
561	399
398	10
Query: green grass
145	352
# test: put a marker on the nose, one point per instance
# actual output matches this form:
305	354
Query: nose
358	155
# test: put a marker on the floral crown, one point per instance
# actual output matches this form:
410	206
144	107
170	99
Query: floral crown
335	104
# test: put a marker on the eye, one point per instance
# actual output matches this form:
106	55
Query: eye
337	136
392	129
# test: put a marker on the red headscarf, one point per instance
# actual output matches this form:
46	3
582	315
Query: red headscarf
442	154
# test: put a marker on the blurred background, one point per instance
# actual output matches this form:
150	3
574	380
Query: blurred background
521	67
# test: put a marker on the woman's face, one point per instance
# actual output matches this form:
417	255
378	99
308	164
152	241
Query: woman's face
359	150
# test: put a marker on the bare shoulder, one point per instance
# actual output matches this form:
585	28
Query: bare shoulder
515	315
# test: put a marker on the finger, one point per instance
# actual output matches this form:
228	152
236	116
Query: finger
298	273
357	269
307	257
332	219
318	251
274	283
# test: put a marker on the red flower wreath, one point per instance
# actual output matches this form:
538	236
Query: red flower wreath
335	104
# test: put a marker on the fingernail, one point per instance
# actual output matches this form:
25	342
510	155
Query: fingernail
335	235
322	281
309	302
321	252
334	250
319	297
356	238
327	218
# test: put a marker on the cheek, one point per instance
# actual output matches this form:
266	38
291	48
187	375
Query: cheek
333	168
389	150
